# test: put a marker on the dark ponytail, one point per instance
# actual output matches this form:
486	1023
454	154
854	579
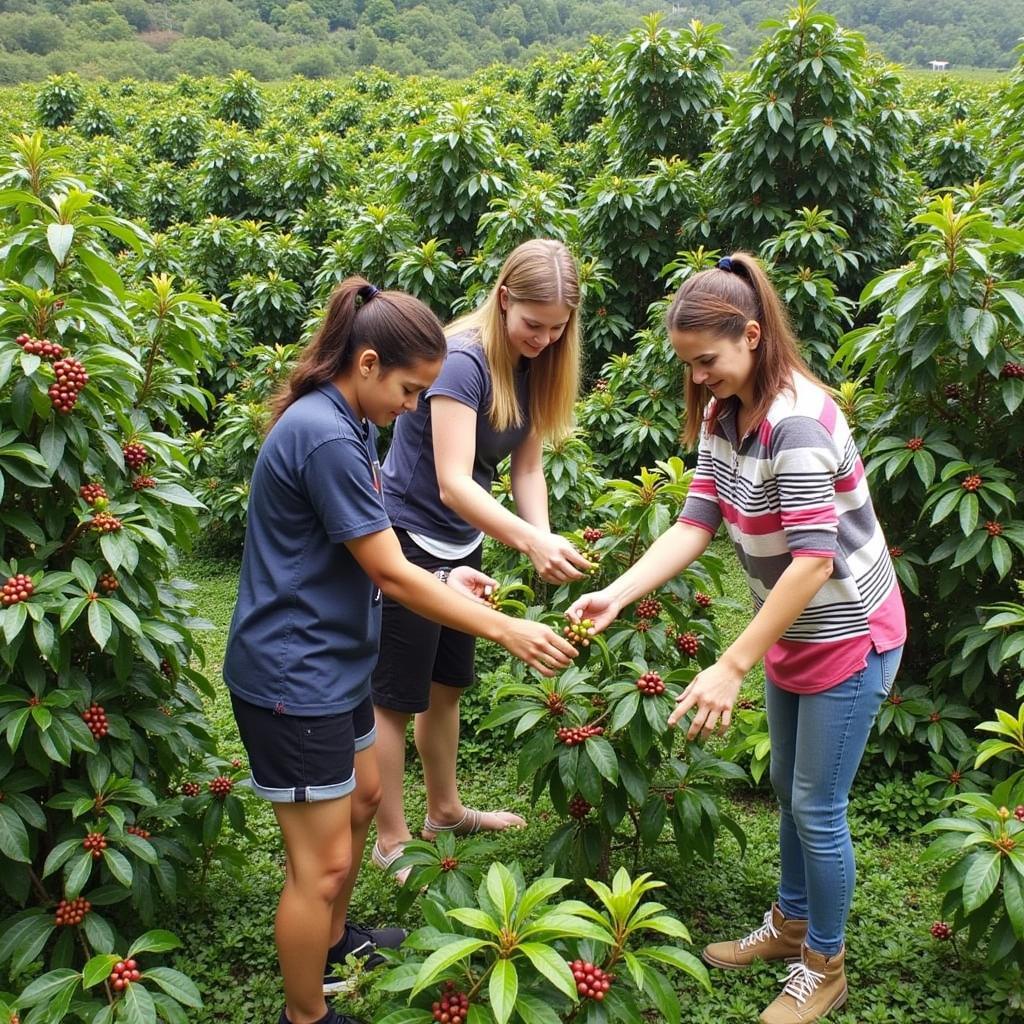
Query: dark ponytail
398	327
720	301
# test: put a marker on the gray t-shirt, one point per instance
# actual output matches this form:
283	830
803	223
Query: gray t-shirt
410	474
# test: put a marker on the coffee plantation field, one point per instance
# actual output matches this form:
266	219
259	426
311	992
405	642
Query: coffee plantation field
165	252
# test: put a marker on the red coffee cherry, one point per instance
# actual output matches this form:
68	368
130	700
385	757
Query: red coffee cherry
236	762
688	644
39	347
91	493
915	444
220	786
107	583
941	931
592	533
95	843
580	632
704	600
591	981
895	552
971	482
71	912
650	684
16	589
579	808
123	974
141	483
135	455
572	736
993	528
167	668
600	384
452	1006
190	789
95	717
136	831
1013	370
648	608
449	863
1018	812
555	703
104	522
70	379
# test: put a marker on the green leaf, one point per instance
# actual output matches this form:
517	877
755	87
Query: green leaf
177	985
438	962
49	986
501	888
602	755
1013	898
552	965
138	1005
156	941
503	989
13	835
475	918
99	624
119	867
981	879
59	238
679	958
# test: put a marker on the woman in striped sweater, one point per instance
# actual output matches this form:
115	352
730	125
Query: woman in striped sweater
777	463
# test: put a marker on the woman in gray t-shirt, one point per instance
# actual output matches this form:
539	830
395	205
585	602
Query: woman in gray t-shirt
508	384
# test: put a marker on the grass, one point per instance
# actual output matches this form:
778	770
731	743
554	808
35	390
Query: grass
897	973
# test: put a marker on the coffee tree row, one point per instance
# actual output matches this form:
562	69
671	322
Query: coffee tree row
111	790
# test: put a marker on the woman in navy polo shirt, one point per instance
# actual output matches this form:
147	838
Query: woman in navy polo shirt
319	552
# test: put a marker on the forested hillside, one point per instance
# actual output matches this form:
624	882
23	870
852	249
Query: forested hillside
160	39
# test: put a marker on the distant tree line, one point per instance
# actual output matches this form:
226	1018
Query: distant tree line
161	39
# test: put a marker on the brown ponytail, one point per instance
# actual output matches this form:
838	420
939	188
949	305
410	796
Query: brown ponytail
398	327
720	301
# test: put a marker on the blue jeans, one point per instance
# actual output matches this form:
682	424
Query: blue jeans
817	742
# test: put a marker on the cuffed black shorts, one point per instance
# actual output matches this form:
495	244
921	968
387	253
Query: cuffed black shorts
299	758
415	651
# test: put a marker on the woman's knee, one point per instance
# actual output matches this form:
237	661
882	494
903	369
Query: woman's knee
324	879
365	802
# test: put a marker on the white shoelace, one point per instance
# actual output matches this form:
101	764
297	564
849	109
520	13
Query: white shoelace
801	981
762	934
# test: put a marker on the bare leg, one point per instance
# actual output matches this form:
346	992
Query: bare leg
318	844
392	830
365	800
437	740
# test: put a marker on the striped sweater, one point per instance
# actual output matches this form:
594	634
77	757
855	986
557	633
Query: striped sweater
795	487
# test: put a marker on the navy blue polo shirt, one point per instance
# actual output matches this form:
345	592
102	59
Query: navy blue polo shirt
411	492
305	634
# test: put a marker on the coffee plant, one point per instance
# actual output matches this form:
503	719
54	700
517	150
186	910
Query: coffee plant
100	694
512	951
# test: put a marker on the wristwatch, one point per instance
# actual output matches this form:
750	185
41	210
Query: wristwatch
443	573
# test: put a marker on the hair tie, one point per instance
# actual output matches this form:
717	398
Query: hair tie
367	292
725	263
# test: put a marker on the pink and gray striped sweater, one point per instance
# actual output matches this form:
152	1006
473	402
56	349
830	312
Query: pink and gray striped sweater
795	487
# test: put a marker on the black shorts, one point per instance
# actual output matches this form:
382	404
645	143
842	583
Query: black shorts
299	758
415	651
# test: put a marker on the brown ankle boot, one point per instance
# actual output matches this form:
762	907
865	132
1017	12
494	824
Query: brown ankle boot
815	986
778	938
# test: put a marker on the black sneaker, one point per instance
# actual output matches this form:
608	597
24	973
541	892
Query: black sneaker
331	1018
362	943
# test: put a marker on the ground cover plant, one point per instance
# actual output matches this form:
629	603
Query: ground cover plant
162	251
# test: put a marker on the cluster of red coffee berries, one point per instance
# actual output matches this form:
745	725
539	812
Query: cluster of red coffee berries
104	522
896	551
971	482
688	644
993	528
71	912
134	830
220	786
579	808
70	379
941	931
648	608
592	534
1018	812
573	735
591	981
123	974
135	455
190	789
141	483
95	843
92	492
915	444
580	632
642	625
704	600
600	384
16	589
449	863
166	668
39	347
107	582
555	703
96	718
452	1007
236	762
1013	370
650	684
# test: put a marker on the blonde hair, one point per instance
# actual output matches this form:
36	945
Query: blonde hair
541	271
